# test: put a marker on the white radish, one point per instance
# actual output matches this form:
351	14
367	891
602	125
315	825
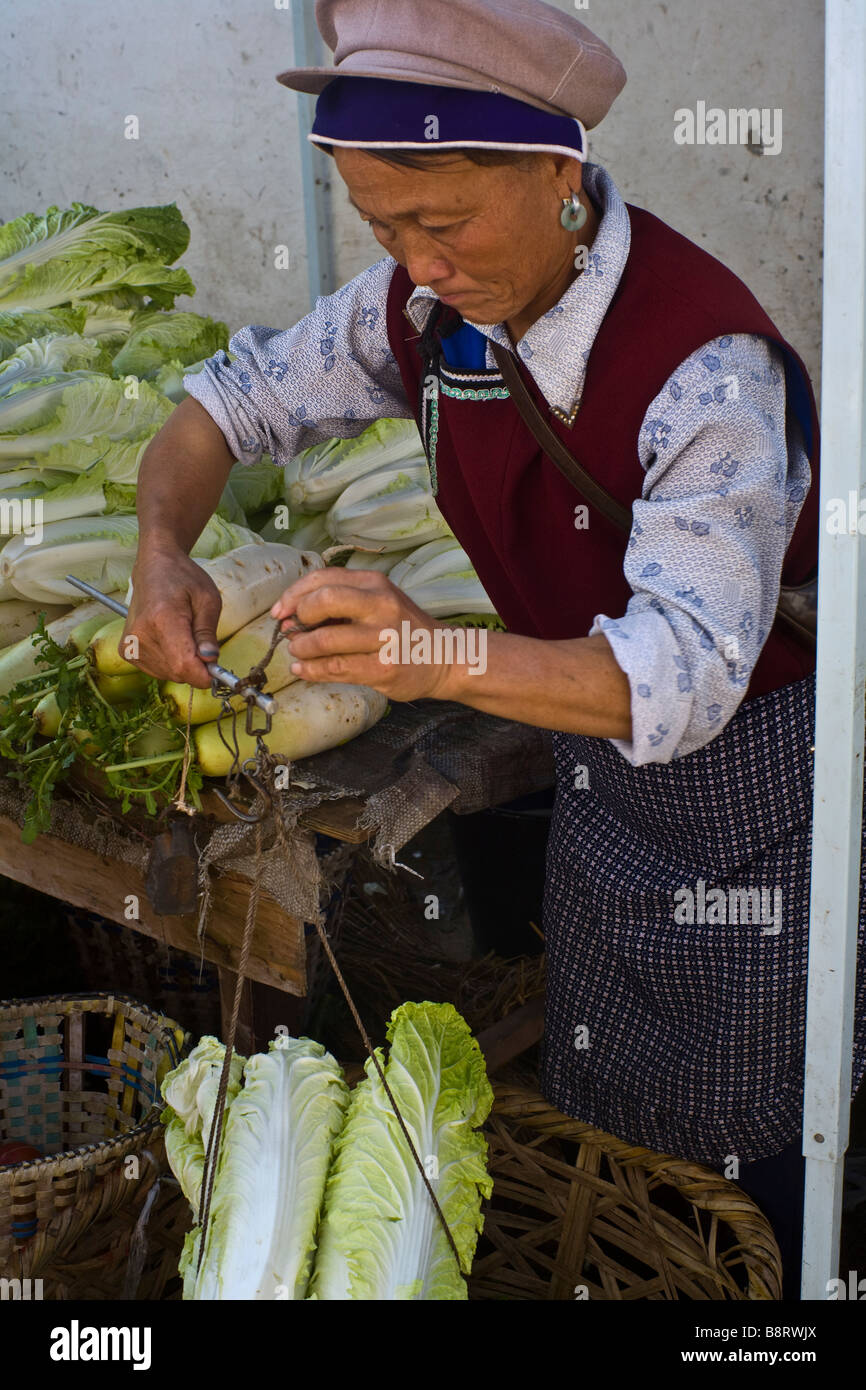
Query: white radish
18	662
240	654
253	577
310	718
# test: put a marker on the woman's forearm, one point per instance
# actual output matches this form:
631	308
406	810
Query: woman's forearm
572	686
361	629
181	478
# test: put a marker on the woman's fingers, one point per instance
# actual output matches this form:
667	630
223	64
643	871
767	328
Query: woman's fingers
335	578
363	668
174	614
346	604
348	638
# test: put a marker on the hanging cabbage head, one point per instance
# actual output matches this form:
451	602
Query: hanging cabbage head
380	1237
274	1156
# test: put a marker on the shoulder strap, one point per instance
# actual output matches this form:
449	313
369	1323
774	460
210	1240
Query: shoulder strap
553	445
794	604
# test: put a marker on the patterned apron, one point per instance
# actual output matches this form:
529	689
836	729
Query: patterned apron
687	1037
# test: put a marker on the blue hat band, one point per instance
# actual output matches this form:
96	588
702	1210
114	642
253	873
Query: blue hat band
381	113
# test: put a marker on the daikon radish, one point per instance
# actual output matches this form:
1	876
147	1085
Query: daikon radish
129	685
249	579
80	637
239	654
252	577
114	689
309	719
103	650
18	618
47	716
85	738
18	662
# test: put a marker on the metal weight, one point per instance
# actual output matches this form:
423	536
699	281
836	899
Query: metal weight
171	881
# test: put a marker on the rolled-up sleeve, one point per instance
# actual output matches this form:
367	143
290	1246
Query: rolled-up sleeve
726	476
332	374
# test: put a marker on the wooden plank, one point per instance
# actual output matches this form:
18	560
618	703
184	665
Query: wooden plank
99	884
513	1034
337	818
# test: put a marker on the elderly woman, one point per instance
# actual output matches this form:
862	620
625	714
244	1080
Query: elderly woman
535	325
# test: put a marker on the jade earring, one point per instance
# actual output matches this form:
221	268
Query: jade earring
574	214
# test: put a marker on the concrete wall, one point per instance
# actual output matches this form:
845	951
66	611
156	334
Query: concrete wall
219	136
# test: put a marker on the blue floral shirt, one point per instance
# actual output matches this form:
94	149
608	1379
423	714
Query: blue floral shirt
726	468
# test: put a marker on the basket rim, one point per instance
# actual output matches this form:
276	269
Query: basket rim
15	1173
508	1100
97	996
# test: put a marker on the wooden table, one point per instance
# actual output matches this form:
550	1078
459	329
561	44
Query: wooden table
276	976
103	885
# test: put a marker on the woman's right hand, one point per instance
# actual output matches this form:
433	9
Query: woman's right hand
173	614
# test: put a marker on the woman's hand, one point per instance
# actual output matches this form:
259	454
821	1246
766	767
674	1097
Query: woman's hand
362	608
174	612
574	686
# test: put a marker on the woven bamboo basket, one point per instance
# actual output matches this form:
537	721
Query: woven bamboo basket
577	1213
133	1254
79	1080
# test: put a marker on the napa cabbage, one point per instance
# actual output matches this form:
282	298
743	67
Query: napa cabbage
68	254
380	1237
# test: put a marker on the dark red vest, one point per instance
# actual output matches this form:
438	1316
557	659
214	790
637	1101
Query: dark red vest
512	509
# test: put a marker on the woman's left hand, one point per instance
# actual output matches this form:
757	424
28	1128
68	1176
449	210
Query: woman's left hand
364	608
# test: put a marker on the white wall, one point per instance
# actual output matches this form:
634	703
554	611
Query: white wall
219	136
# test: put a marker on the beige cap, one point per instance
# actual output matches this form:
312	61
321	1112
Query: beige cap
524	49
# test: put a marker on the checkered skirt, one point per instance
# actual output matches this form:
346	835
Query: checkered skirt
687	1038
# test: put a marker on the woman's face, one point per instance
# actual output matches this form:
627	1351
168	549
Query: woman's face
488	240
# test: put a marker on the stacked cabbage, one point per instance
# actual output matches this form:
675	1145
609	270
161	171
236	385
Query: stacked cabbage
89	346
367	502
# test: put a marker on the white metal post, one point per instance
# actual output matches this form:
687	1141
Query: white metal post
315	166
841	651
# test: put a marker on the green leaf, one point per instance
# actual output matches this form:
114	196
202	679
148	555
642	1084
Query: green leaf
73	411
21	327
380	1237
316	477
157	338
74	253
52	354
